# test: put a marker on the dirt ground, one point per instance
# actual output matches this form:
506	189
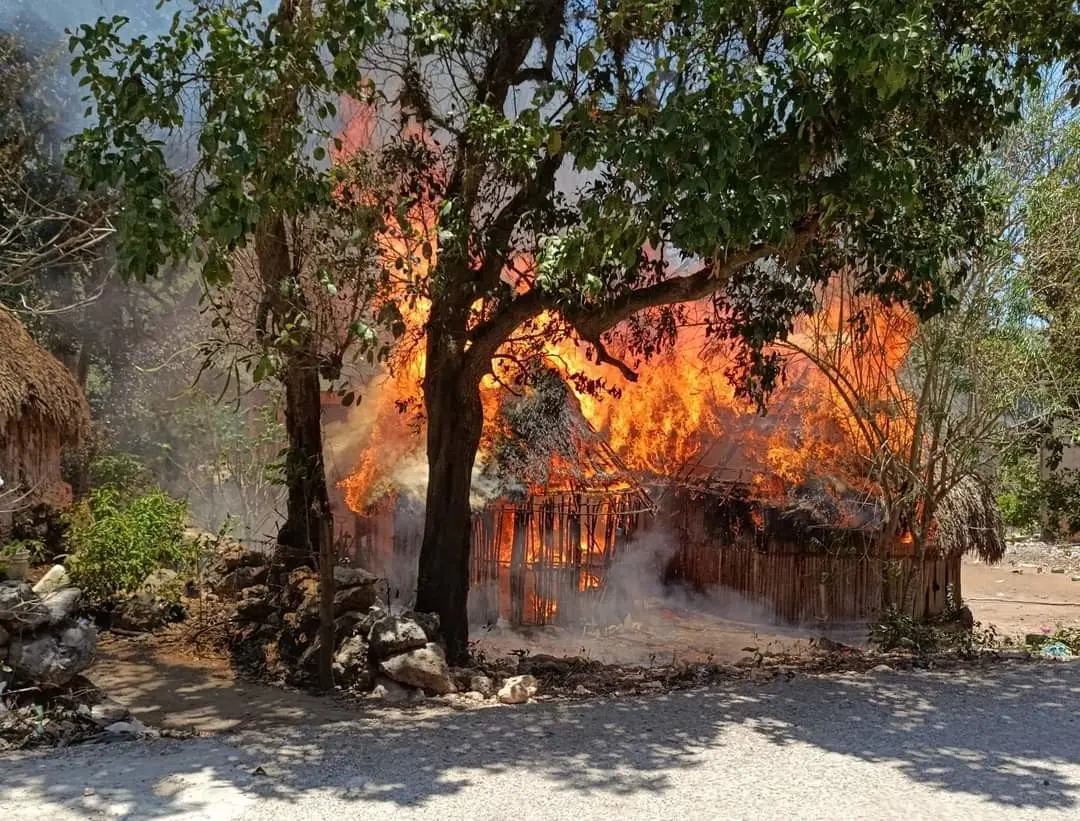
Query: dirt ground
1036	588
173	688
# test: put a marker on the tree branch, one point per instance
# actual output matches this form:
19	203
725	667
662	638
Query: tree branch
590	324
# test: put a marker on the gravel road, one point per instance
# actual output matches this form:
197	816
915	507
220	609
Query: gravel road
1003	744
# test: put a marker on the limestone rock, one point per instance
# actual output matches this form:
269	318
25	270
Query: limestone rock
351	662
346	624
132	727
54	658
56	579
388	690
234	555
254	603
518	690
482	685
358	593
424	667
108	711
62	604
21	609
161	582
358	598
303	586
144	614
352	577
242	578
392	635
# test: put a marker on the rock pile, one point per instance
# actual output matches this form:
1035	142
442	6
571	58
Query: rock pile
276	611
393	655
40	639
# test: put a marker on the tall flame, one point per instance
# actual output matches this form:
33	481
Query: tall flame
681	418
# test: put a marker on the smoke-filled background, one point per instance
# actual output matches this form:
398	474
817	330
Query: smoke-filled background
136	349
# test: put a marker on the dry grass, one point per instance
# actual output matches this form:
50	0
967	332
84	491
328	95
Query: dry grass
968	521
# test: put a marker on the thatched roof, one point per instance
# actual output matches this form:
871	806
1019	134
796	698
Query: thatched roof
968	521
544	441
35	389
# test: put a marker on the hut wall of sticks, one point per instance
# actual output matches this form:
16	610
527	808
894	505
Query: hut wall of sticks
43	413
545	559
539	559
822	560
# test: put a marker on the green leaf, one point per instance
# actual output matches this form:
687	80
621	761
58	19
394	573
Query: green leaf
263	369
554	143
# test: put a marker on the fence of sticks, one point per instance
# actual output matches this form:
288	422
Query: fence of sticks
545	560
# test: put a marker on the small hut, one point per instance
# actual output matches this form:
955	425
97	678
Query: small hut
42	413
818	558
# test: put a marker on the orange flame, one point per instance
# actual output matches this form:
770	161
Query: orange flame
681	418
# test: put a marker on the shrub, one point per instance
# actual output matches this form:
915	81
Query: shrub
1023	492
114	544
122	472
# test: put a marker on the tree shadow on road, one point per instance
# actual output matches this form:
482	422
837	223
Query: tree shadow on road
1007	736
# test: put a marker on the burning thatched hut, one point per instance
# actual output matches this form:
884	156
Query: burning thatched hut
42	413
815	557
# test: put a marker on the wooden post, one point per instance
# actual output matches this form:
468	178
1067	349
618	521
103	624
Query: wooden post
517	566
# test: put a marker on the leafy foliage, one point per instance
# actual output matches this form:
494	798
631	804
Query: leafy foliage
115	543
120	472
255	145
898	631
1022	491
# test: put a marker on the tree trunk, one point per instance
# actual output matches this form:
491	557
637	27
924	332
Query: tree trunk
309	524
455	419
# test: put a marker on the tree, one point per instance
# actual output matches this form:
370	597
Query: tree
256	93
593	165
46	226
930	407
1049	271
589	165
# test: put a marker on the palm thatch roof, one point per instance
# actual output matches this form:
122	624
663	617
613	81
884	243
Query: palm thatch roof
37	393
968	521
545	442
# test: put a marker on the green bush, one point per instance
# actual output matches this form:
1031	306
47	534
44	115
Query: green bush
122	472
1023	492
114	543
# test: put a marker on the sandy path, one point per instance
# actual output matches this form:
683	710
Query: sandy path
1019	603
